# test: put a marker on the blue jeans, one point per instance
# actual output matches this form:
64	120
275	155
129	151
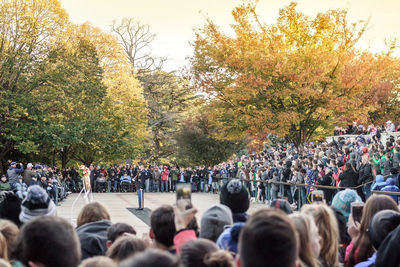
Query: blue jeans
367	190
267	191
114	185
147	184
164	186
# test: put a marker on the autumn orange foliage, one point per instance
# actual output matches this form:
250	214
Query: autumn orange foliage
297	78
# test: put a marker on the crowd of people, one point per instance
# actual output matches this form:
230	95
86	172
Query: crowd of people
371	129
18	180
31	233
322	232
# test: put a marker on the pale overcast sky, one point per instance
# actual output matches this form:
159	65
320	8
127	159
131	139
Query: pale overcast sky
174	20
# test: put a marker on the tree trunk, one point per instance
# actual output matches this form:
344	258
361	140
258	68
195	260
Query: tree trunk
64	157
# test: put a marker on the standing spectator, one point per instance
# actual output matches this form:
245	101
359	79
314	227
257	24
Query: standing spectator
396	157
162	228
29	173
92	224
164	178
360	248
309	239
365	176
156	178
349	177
13	172
48	241
36	203
328	229
236	197
268	237
391	187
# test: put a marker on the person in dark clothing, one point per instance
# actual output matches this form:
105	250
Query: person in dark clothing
348	178
92	224
141	183
365	176
327	179
286	178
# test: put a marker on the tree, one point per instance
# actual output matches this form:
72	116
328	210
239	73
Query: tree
296	78
197	145
168	96
27	29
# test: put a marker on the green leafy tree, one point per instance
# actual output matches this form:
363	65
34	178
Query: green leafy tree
197	144
27	29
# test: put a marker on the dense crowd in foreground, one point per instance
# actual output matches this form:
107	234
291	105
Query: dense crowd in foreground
31	234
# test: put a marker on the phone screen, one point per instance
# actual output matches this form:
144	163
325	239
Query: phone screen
317	196
184	196
356	211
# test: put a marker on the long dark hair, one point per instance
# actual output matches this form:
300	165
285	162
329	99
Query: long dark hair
362	248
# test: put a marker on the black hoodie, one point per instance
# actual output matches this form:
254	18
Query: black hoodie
93	237
388	254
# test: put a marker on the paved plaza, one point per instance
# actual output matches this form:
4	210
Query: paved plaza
117	205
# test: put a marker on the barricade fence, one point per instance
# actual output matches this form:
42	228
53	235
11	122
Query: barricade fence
302	189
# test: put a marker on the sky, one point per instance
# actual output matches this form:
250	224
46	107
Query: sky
174	21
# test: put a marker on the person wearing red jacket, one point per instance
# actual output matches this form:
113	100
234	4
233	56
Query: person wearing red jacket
164	179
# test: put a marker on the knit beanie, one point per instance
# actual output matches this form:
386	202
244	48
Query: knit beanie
282	205
36	203
235	196
382	223
343	199
214	220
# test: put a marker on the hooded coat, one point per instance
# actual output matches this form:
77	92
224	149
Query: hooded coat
93	238
390	187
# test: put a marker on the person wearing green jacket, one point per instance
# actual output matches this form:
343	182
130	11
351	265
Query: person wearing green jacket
4	184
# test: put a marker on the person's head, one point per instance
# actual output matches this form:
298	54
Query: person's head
213	221
343	199
382	223
125	247
202	253
235	196
268	236
13	164
8	233
362	243
48	241
116	230
152	258
307	233
92	212
162	222
36	203
328	229
10	207
102	261
3	178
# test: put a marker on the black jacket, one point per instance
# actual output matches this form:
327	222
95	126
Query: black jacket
365	174
388	252
93	238
348	178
